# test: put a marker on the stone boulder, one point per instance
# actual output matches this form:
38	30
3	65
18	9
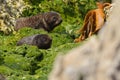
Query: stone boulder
10	10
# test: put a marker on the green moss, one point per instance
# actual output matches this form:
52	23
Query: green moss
29	60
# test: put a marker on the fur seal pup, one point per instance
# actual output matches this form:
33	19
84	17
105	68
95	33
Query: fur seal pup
42	41
47	21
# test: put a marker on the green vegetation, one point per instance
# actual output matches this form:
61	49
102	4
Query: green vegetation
30	63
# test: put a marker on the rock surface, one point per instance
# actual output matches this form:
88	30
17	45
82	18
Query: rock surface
2	77
97	59
10	10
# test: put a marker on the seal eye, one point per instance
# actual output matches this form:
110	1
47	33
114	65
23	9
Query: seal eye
54	19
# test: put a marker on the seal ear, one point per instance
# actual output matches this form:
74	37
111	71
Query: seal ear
48	15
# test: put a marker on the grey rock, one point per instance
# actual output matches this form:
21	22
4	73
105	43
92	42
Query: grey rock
10	10
2	77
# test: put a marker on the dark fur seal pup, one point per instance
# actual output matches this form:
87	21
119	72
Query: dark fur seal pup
42	41
47	21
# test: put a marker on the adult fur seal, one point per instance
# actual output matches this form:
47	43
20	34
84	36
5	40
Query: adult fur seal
47	21
42	41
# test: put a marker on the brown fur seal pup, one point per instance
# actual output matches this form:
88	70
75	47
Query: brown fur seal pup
47	21
42	41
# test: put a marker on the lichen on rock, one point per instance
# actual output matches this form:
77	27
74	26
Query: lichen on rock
10	10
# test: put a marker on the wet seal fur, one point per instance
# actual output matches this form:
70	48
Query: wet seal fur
42	41
47	21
